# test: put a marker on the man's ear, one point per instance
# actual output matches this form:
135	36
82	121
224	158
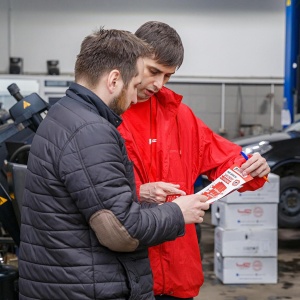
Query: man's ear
114	80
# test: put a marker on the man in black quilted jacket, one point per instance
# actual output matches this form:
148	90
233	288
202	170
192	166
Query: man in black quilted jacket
83	234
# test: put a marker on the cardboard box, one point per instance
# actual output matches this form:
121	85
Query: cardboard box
248	215
215	213
269	193
246	270
246	242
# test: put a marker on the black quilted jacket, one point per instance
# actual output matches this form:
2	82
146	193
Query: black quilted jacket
78	165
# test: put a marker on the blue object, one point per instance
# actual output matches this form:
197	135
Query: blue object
291	53
199	181
244	155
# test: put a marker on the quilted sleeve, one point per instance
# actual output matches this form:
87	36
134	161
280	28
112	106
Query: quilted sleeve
95	170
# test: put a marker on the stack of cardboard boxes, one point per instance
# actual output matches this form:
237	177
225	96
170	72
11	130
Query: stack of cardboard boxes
246	235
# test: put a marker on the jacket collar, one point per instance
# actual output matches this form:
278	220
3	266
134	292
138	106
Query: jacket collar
169	100
86	96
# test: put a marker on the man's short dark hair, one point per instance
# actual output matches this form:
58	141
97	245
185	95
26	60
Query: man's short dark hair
165	41
106	50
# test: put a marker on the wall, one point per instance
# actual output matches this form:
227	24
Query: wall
222	38
249	109
4	36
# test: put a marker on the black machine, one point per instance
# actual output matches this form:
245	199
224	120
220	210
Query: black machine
16	134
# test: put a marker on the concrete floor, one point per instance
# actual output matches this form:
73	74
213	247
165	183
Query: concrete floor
288	286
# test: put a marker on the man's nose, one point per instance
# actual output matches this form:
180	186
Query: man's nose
159	82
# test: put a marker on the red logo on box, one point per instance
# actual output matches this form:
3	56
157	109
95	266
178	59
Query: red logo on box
258	211
245	265
246	211
257	265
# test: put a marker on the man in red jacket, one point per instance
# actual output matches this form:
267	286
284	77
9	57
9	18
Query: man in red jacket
170	147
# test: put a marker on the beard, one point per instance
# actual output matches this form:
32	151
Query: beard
120	104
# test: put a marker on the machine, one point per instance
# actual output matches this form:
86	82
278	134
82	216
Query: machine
16	134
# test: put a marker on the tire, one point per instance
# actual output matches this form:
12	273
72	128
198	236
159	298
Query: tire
289	202
21	155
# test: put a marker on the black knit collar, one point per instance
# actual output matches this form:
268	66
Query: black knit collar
93	101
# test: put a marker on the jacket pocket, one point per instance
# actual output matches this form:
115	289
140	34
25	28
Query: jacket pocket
133	278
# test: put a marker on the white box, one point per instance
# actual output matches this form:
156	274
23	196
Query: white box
251	215
246	242
246	270
215	213
268	193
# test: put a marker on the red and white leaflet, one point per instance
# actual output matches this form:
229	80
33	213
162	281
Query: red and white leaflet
232	179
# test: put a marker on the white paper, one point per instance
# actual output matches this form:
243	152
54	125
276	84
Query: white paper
232	179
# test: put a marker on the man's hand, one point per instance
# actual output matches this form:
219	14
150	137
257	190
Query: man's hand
158	191
193	207
256	165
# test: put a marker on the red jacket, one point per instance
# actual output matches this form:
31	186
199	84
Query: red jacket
185	148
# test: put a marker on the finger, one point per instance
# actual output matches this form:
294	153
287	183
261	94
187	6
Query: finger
261	171
204	206
202	213
199	220
166	185
177	186
255	165
171	191
172	188
203	199
249	163
252	158
157	192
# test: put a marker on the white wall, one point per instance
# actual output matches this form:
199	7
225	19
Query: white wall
4	42
222	38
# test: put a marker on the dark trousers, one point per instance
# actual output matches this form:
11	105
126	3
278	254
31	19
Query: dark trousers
167	297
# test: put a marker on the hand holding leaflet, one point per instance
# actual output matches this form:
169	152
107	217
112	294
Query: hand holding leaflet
232	179
247	157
